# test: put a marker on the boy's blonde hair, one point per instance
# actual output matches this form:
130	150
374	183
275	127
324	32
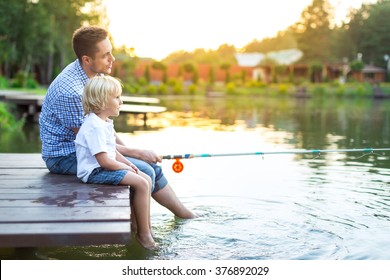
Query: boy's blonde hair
96	93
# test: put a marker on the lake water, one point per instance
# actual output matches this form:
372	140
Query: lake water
279	207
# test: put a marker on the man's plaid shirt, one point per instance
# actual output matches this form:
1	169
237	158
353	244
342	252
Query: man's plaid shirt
62	110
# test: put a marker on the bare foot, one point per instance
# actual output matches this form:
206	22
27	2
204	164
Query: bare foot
188	215
147	241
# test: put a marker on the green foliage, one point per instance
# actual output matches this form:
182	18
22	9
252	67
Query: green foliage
38	34
340	90
201	56
291	77
158	65
195	76
3	82
361	90
165	76
230	88
162	89
283	89
211	76
178	88
8	121
188	67
172	82
319	90
316	68
151	89
227	77
192	89
143	81
313	33
24	80
356	65
243	76
283	41
147	74
131	88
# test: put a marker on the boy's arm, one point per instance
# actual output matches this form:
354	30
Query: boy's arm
122	159
110	164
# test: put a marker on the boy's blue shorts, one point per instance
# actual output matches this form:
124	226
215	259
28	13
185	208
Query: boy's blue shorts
107	177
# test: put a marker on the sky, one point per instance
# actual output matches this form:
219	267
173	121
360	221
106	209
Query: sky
156	28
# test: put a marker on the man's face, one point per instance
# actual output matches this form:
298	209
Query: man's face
102	63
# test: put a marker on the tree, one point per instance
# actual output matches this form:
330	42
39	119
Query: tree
36	34
283	41
157	65
375	40
349	35
313	33
226	66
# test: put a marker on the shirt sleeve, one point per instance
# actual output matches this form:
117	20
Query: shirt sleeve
95	139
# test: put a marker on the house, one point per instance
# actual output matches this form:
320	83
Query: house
370	73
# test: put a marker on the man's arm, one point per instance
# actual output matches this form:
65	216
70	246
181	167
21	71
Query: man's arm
145	155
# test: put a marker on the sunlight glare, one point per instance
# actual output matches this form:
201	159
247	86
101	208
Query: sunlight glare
156	28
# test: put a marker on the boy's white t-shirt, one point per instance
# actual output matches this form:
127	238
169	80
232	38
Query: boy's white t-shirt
95	136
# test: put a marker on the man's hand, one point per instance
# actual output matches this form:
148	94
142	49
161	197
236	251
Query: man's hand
149	156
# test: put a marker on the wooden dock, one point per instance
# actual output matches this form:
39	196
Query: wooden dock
40	209
30	104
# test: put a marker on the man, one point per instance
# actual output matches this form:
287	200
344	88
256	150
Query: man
62	115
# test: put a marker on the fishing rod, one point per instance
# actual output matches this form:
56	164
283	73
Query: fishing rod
178	165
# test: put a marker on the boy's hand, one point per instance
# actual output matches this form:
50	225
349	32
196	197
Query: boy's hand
134	168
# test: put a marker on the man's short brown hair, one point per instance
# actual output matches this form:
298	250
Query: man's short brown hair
85	40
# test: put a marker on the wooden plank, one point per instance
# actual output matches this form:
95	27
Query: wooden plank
12	160
25	200
139	99
58	234
142	109
38	208
65	214
25	99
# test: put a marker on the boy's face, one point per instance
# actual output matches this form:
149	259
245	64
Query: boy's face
103	60
113	105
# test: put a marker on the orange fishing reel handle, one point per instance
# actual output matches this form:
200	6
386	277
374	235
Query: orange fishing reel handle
177	166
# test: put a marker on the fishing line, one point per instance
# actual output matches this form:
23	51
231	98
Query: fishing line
178	166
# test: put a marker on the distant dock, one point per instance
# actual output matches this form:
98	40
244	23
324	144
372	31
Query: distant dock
29	105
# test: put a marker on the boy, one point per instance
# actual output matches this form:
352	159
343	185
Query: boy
98	160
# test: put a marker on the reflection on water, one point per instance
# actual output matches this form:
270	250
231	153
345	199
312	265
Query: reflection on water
336	206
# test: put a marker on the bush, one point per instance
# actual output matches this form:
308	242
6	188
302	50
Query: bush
319	90
283	89
340	90
230	88
7	120
177	88
131	88
361	90
3	82
31	83
152	89
142	81
192	89
162	89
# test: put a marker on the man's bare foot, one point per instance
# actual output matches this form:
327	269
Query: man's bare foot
147	241
187	214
